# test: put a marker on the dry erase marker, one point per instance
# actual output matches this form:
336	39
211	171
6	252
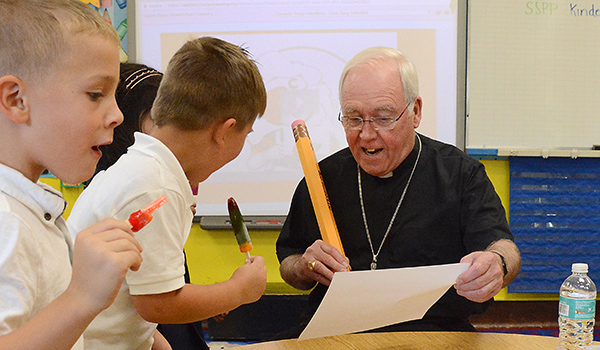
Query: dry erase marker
142	217
122	4
239	227
122	29
316	188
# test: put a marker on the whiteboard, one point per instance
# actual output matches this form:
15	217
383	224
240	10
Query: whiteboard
533	74
301	47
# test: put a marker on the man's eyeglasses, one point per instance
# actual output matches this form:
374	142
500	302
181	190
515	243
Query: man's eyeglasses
356	123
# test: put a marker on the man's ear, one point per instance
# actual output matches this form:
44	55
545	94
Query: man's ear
222	129
416	112
13	103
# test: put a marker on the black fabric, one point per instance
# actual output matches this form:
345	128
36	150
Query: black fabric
184	336
450	210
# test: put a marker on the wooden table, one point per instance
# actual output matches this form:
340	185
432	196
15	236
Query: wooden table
415	341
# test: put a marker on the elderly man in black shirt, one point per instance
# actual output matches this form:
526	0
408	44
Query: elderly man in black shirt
399	199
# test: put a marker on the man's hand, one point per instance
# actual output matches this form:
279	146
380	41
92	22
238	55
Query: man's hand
483	279
485	276
318	264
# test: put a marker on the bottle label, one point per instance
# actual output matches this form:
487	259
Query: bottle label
577	309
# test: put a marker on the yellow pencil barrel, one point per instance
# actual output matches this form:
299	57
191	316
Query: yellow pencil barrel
316	187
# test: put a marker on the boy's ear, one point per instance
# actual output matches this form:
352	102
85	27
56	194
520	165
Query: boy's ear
13	103
222	129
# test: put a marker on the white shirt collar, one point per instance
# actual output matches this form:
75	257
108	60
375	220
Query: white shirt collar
40	198
149	145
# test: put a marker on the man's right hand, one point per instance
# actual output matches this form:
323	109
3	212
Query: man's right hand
318	264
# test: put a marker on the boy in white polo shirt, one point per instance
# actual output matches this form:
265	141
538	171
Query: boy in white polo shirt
209	97
57	107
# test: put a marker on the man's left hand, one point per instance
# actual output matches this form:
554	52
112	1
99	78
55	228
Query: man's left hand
483	279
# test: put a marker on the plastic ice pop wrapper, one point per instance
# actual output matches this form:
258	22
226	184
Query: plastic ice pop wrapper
239	227
142	217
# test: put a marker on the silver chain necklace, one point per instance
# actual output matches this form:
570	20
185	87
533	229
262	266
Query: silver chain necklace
364	215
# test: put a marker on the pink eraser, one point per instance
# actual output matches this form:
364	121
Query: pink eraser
298	122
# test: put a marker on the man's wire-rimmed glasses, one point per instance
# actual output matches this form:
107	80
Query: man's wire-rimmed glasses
356	123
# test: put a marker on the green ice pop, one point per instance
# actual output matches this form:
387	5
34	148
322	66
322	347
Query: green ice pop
239	227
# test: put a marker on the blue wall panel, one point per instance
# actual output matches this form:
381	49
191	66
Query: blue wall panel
555	217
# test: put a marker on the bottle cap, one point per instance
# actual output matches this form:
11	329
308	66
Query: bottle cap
579	267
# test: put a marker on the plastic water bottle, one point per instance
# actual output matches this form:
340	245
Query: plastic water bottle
577	309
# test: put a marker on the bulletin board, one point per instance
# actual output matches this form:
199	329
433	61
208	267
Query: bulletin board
115	13
533	74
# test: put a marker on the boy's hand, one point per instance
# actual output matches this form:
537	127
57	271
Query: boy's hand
252	279
220	317
103	254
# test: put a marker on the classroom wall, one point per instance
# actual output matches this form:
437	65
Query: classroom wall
214	255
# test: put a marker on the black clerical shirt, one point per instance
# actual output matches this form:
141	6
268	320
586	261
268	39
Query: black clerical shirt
450	210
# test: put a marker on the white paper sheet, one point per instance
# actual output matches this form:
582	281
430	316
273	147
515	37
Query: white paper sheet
362	300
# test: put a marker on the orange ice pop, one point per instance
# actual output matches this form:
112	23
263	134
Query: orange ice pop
239	227
142	217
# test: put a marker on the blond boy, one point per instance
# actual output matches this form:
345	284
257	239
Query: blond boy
59	67
208	100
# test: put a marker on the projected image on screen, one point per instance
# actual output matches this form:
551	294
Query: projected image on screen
301	61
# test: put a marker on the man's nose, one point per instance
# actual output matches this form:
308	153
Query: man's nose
368	130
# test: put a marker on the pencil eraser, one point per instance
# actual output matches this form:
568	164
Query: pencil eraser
298	122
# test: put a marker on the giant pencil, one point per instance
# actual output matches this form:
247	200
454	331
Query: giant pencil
316	187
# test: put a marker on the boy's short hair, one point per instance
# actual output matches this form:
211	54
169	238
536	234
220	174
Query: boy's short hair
209	80
34	33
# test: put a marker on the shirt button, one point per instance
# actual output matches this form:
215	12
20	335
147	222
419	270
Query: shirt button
47	216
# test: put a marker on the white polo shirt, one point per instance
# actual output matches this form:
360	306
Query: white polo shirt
148	170
35	249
